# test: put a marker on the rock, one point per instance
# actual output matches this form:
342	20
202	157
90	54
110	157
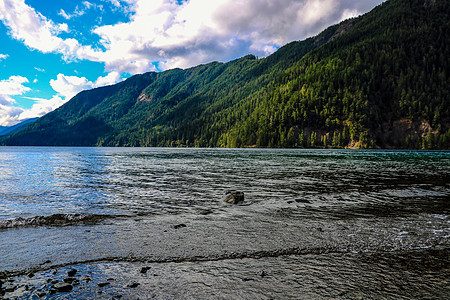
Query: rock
179	226
40	293
30	275
54	272
133	284
69	279
54	281
9	287
233	197
76	282
262	274
72	272
102	284
302	201
145	269
63	287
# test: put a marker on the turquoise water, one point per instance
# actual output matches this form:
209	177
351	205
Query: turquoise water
70	205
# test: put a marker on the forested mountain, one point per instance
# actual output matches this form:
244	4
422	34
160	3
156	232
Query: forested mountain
379	80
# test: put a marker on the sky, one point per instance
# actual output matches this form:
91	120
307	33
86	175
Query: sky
52	49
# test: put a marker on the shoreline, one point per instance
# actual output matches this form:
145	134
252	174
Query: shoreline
419	273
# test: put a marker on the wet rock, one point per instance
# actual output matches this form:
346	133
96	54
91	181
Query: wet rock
145	269
110	279
76	282
54	281
69	279
302	201
30	275
262	274
133	284
179	226
63	287
102	284
9	287
54	272
72	272
233	197
40	293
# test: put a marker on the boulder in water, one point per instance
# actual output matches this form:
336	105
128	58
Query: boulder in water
233	197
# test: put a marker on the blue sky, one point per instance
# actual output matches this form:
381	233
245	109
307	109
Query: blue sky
52	49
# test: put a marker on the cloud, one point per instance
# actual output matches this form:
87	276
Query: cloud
79	11
41	107
68	86
37	32
3	56
12	86
199	31
182	33
65	86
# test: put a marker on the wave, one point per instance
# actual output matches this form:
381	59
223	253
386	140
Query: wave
54	220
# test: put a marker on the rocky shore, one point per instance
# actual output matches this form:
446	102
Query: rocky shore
391	275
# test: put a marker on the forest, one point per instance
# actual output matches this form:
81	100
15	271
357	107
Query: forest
377	81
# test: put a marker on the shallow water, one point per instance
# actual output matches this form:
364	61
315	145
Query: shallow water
79	205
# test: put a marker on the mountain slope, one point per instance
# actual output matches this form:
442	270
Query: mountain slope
380	80
5	130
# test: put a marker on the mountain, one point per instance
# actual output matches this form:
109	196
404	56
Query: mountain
379	80
5	130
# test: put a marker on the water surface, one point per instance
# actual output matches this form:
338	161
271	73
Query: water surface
70	205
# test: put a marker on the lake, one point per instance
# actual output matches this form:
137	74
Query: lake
314	224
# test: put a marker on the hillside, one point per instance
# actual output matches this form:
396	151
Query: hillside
5	130
380	80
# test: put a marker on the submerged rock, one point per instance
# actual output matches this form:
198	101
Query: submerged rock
145	269
233	197
63	287
133	284
102	284
72	272
179	226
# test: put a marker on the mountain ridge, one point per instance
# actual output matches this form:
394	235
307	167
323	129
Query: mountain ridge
380	80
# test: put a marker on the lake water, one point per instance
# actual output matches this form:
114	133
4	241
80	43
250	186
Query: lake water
319	223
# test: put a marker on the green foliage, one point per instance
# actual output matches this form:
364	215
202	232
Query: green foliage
355	85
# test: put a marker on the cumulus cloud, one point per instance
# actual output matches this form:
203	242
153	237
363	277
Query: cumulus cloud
183	34
69	86
37	32
3	56
41	107
12	86
65	86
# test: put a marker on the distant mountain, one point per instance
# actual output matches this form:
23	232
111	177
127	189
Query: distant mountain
5	130
379	80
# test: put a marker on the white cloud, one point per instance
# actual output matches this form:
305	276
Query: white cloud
197	31
3	56
41	107
65	86
69	86
37	32
12	86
